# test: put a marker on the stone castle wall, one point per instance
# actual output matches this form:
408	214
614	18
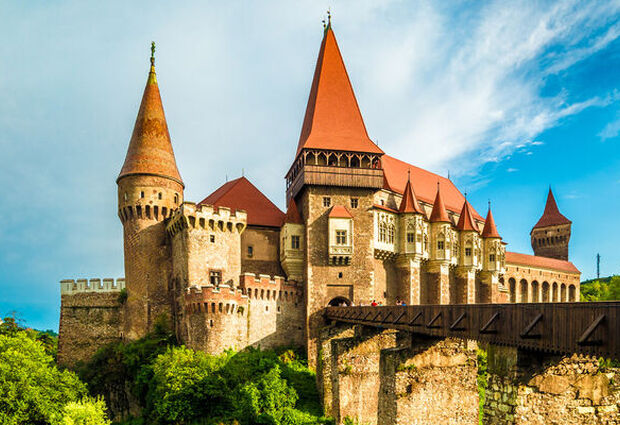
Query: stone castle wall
91	316
265	255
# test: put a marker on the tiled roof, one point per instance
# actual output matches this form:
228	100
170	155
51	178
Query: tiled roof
333	120
541	262
240	194
150	149
338	211
439	209
551	216
410	204
490	230
383	207
466	220
292	213
425	183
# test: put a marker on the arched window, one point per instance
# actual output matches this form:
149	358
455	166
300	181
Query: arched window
382	231
391	233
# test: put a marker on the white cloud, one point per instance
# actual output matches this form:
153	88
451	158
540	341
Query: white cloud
611	130
512	170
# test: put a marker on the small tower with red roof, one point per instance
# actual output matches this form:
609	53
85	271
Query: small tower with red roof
441	246
468	256
551	234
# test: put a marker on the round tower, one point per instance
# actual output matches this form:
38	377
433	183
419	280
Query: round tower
551	234
149	190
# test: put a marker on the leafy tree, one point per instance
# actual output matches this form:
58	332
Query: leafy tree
601	290
84	412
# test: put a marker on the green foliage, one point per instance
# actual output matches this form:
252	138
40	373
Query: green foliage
32	389
84	412
122	296
601	290
605	364
481	380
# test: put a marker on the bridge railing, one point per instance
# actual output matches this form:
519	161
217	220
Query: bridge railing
588	328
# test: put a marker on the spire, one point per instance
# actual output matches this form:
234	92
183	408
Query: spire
150	149
409	204
551	216
439	213
489	230
466	220
333	120
292	214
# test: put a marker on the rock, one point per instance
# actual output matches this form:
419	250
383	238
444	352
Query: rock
607	409
585	410
554	384
593	387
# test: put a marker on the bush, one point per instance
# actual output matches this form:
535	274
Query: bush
84	412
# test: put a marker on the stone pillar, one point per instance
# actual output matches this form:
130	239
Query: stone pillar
534	388
466	284
409	275
429	381
438	282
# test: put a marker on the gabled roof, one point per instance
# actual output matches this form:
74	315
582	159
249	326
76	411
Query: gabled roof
439	213
542	262
395	179
292	214
410	204
338	211
240	194
489	230
551	216
150	149
333	120
466	220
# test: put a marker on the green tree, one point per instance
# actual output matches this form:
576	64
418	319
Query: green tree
84	412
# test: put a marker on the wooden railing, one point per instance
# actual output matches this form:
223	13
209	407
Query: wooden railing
587	328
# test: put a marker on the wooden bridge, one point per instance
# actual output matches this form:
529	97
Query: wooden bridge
588	328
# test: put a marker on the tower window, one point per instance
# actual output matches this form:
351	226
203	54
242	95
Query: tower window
327	201
468	252
212	238
159	195
354	202
341	237
141	194
294	242
250	251
215	277
176	198
492	257
410	237
440	245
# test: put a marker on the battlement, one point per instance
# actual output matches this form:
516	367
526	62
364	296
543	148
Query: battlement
265	287
212	299
71	286
206	217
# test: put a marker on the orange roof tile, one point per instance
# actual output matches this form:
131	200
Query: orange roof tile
383	207
150	149
542	262
489	230
333	120
439	214
338	211
240	194
466	221
292	214
410	204
551	216
425	182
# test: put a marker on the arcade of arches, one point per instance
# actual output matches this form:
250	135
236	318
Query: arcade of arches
533	285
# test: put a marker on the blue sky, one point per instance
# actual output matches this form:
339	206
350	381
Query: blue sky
508	97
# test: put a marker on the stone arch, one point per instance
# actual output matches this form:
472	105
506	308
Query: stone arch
523	291
572	293
338	301
563	294
545	292
555	293
535	291
512	287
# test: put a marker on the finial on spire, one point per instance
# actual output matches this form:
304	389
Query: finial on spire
408	175
329	18
448	174
489	204
152	53
466	195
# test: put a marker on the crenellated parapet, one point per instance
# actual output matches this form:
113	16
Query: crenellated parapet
212	299
208	218
264	287
76	286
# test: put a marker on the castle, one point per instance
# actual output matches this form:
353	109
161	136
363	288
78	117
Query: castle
234	270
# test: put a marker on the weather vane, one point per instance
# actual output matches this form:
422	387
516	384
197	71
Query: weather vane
152	53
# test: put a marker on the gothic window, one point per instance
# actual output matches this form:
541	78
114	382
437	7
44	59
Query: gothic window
327	201
354	202
295	242
215	277
440	245
341	237
410	237
492	258
391	233
382	232
468	252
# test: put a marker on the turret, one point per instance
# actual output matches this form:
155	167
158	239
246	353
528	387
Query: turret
440	230
493	258
412	223
149	190
551	234
469	254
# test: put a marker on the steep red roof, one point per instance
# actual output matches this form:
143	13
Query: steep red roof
425	182
439	209
551	216
333	119
338	211
150	149
466	220
292	214
489	230
410	204
542	262
240	194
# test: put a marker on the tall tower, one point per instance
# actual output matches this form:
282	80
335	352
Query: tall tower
550	236
149	190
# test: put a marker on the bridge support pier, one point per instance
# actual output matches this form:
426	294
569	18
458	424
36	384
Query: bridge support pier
525	387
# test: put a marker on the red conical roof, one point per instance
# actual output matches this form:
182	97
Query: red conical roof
551	216
150	149
439	209
409	204
292	214
466	220
333	120
489	230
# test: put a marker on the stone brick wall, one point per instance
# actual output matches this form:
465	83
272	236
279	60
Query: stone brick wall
532	284
265	258
88	321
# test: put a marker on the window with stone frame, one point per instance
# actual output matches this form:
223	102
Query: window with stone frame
354	202
250	251
215	277
327	201
341	237
294	242
491	257
468	251
382	232
410	237
440	244
391	231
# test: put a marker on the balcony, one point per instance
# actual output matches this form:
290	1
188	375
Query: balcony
324	175
340	255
